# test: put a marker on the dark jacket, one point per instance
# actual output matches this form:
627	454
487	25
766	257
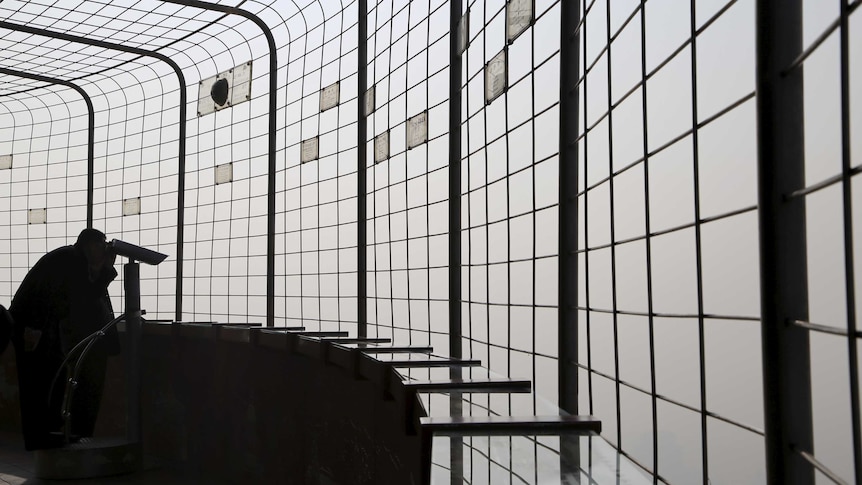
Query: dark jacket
58	298
5	328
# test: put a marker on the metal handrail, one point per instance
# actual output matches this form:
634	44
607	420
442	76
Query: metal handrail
87	343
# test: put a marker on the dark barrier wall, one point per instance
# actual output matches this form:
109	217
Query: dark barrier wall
250	412
257	414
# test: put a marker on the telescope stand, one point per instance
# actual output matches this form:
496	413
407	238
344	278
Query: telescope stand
98	457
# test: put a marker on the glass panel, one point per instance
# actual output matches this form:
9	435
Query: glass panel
830	389
676	341
532	460
636	425
735	454
733	353
827	294
730	265
679	444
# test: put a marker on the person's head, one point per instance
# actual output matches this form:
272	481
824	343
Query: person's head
92	243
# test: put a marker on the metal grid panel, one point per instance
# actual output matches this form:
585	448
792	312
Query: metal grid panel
407	188
136	150
316	224
225	240
509	187
829	64
509	165
667	236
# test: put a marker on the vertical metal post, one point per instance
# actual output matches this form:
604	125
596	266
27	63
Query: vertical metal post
568	210
91	166
456	444
612	208
454	182
361	161
698	238
850	267
783	271
132	285
648	240
181	199
270	192
567	299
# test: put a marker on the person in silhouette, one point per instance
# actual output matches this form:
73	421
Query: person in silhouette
62	300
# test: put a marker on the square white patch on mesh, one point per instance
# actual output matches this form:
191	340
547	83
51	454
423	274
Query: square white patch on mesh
329	97
381	147
495	77
519	16
369	101
132	207
463	32
224	173
417	130
37	216
241	85
309	150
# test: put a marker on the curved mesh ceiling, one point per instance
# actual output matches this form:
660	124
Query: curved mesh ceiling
202	42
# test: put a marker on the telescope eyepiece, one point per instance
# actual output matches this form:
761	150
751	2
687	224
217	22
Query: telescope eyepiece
135	252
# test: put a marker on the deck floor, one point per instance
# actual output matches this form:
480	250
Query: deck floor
17	468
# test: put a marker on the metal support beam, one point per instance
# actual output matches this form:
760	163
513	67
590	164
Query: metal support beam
91	127
567	298
181	162
270	193
454	182
361	181
568	212
849	245
783	268
456	448
132	285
